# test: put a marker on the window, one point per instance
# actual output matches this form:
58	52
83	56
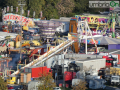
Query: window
115	78
71	28
107	61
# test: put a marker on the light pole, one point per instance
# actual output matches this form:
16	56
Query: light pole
21	3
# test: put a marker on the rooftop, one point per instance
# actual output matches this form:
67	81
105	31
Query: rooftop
85	59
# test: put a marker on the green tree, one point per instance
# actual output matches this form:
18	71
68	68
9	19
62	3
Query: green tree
81	6
65	7
35	5
80	86
3	85
46	82
49	10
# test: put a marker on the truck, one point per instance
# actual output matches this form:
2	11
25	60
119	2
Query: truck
115	75
109	61
115	80
111	75
69	74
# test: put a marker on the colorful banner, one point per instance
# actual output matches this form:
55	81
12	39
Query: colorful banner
33	14
28	13
92	18
90	41
11	8
7	8
17	18
73	36
16	9
41	14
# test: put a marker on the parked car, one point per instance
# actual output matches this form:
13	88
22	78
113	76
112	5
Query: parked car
15	87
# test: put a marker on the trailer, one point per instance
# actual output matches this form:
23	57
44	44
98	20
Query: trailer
97	63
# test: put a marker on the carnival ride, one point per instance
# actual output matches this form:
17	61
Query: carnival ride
71	40
17	41
102	23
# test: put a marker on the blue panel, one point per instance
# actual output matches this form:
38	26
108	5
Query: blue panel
79	19
112	46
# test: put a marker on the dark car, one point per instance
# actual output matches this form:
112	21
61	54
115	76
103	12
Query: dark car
15	87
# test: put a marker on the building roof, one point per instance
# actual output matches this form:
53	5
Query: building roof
85	59
90	59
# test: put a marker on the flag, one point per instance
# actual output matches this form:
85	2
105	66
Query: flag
16	9
28	13
3	44
7	43
33	14
7	8
41	14
11	8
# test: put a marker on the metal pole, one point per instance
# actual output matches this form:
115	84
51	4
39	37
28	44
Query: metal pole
63	66
21	3
86	38
21	35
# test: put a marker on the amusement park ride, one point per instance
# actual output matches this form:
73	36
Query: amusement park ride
79	25
103	23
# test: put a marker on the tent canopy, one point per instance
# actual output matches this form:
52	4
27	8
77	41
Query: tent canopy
103	40
107	40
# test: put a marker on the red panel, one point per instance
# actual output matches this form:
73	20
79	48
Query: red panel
74	74
109	58
42	51
118	58
35	51
68	76
44	70
105	56
48	70
36	72
40	71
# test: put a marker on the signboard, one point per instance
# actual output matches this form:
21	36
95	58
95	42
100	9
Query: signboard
14	18
73	36
92	18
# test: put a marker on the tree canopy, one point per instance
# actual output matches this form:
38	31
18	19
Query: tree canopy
47	82
50	8
3	85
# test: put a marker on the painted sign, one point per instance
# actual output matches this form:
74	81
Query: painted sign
92	19
15	18
90	41
73	36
